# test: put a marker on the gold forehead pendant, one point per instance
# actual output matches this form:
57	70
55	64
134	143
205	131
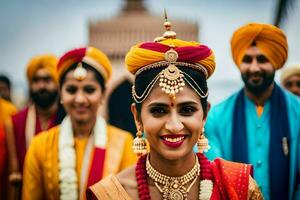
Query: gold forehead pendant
80	73
171	78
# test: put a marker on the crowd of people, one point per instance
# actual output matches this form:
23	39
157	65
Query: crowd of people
246	147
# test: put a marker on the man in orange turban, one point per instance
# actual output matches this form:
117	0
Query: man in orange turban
258	124
42	112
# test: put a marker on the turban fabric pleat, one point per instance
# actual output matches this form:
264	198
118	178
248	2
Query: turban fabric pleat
91	56
151	52
46	61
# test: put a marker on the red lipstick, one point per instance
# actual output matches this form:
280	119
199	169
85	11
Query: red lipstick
174	140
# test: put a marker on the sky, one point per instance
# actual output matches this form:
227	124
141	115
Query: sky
32	27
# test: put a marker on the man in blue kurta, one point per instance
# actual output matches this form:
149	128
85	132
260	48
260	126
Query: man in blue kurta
260	124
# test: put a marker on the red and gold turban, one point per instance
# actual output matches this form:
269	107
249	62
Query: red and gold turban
144	54
169	53
47	61
91	56
268	38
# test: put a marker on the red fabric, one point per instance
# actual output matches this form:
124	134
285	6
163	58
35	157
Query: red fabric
193	54
154	46
3	152
3	160
19	123
231	180
190	54
76	55
97	166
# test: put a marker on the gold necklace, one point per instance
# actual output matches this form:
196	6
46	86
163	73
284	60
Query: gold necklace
173	187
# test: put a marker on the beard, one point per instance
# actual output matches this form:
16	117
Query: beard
258	82
44	98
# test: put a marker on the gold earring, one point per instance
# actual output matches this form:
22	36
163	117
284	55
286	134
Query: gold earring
139	144
202	143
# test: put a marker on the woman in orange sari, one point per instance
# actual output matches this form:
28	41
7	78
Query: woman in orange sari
170	93
63	161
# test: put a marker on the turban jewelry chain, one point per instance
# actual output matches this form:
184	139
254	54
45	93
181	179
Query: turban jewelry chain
168	74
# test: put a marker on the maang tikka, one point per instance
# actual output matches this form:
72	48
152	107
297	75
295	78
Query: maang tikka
171	78
80	73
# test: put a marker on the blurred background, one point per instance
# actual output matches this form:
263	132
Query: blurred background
32	27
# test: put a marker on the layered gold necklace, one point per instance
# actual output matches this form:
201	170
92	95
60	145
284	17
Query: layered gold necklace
173	188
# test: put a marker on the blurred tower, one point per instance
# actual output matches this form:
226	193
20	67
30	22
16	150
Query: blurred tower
132	25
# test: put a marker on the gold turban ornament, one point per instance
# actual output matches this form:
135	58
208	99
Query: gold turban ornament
268	38
46	61
169	53
89	55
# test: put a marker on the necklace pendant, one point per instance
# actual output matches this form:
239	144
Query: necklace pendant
175	194
177	191
175	184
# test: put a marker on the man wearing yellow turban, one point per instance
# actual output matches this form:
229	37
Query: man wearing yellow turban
260	123
41	113
290	79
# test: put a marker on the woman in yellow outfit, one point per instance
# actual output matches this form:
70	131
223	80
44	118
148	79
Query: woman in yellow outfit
63	161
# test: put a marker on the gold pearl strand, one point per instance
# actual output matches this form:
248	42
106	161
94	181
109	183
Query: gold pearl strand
173	187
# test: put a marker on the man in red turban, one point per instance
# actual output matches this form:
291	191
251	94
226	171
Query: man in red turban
260	123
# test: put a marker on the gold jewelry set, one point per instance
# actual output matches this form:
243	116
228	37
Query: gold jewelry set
173	188
171	79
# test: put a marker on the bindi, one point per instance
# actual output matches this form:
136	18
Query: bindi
172	104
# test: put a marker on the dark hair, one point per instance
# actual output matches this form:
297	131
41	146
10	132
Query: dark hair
5	80
143	80
98	76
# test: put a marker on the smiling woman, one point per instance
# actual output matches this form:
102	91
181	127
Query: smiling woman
62	162
170	109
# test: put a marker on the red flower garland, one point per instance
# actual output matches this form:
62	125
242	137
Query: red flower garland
141	174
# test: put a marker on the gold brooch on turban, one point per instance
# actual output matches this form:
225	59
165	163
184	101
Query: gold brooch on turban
89	55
